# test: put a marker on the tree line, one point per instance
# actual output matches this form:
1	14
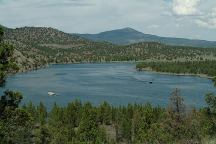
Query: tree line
84	123
206	67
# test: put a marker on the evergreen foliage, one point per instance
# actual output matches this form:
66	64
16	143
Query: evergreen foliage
84	123
7	64
207	67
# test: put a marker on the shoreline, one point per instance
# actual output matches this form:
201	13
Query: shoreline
176	74
107	62
23	70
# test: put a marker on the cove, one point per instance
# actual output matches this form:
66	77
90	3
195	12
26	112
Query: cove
116	83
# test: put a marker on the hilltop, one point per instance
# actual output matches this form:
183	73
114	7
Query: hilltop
127	36
38	46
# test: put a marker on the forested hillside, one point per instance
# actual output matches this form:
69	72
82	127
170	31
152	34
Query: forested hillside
32	45
37	47
206	68
194	67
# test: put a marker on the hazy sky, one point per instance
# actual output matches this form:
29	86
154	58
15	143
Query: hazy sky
177	18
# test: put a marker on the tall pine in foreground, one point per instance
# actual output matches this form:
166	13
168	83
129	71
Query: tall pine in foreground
6	62
15	123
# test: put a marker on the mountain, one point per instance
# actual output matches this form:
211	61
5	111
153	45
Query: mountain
127	36
42	35
36	47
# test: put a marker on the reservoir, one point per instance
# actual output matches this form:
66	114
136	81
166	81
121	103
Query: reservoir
116	83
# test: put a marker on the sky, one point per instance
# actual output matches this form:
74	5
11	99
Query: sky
195	19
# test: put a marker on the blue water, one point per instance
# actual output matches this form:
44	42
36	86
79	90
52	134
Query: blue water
116	83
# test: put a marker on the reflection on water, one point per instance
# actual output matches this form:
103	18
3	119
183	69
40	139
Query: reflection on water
118	84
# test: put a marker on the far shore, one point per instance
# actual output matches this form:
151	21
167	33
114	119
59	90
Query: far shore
25	70
143	69
176	74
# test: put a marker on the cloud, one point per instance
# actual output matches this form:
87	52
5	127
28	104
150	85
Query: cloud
208	20
174	18
153	26
210	23
45	3
63	3
185	7
199	12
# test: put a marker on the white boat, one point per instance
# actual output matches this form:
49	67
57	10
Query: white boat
51	93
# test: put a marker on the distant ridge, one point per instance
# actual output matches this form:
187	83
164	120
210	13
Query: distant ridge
128	35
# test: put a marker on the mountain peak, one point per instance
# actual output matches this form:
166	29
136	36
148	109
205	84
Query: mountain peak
128	29
129	35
